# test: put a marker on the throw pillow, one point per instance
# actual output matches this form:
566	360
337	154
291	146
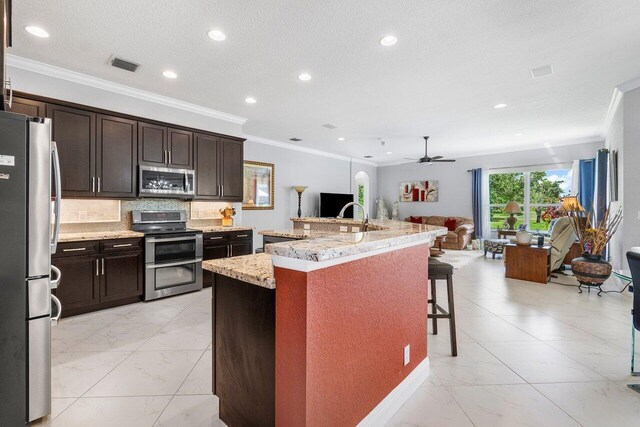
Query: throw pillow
451	224
415	219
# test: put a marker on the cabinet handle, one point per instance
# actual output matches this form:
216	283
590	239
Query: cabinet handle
74	249
123	245
103	266
222	190
93	184
169	151
230	250
98	184
97	268
215	238
228	253
242	235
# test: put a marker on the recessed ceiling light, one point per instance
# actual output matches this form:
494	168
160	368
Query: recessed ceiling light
519	134
305	77
170	74
250	100
341	139
388	40
499	106
37	31
389	152
217	35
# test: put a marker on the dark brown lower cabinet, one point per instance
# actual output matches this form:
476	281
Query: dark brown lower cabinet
223	245
98	275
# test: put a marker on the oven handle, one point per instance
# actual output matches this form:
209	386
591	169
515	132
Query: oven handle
170	239
175	264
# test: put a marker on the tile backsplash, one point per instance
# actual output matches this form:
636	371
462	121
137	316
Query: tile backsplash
81	215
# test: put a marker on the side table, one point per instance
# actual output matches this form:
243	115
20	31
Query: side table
532	263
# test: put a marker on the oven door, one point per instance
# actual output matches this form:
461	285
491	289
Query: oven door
171	249
158	182
162	280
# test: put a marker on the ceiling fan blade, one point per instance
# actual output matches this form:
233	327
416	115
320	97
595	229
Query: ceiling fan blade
444	160
409	158
436	157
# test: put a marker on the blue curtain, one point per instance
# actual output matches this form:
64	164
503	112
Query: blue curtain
476	200
586	183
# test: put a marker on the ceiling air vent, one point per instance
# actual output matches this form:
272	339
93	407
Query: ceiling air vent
295	139
536	73
329	126
368	157
124	64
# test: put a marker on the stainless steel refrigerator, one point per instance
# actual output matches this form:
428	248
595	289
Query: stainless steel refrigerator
28	237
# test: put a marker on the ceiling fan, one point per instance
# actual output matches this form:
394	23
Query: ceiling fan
426	158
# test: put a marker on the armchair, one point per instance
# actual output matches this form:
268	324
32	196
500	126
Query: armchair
561	239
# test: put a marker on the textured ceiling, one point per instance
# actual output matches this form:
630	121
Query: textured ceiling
452	63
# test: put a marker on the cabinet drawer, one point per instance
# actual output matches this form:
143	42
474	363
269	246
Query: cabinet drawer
215	239
240	235
81	248
121	245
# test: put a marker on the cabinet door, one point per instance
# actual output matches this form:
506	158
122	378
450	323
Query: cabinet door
79	285
27	107
74	132
117	157
232	169
212	252
241	248
122	276
152	144
207	173
180	149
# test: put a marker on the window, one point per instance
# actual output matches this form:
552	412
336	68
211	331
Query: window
537	190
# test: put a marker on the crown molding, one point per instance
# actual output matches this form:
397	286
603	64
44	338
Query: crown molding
87	80
616	99
287	146
629	85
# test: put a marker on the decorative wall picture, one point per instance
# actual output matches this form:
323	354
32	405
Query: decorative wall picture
258	183
419	191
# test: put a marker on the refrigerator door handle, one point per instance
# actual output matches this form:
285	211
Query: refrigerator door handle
57	310
55	279
58	187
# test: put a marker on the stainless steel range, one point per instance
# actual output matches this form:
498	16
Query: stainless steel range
173	253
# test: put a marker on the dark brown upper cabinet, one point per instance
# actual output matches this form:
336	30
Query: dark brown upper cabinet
165	147
27	107
207	169
219	168
116	157
152	144
232	168
74	132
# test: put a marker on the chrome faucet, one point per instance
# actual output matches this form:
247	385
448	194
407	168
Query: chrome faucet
365	222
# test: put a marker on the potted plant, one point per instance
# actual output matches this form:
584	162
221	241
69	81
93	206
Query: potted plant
591	269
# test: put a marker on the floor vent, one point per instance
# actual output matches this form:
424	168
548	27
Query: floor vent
124	64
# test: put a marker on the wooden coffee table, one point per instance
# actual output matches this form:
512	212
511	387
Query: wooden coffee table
438	242
532	263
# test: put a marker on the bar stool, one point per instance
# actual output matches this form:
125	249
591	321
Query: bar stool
442	271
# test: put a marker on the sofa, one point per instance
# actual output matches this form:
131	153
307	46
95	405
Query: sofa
460	229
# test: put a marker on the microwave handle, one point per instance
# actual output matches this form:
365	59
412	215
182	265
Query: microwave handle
186	182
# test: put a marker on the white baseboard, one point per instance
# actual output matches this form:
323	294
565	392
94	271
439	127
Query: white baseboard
382	413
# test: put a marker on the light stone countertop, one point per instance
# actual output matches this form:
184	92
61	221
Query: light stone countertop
296	234
389	233
98	235
256	269
217	228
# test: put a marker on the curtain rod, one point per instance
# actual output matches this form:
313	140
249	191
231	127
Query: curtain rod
527	166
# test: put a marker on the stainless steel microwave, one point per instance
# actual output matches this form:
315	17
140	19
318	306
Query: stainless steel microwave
162	182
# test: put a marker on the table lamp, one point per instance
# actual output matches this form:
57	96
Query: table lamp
512	208
571	203
299	189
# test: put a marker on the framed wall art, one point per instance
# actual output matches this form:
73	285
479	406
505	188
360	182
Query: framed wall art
258	186
419	191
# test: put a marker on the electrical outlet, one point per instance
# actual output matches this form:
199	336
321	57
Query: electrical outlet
355	229
344	229
307	226
82	215
407	355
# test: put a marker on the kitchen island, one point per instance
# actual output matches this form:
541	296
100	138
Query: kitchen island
327	330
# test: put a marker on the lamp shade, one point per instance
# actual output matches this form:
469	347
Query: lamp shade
571	203
513	208
299	188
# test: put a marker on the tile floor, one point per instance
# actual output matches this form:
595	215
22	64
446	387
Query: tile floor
529	355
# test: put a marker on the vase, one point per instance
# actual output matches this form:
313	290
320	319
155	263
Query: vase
591	270
523	238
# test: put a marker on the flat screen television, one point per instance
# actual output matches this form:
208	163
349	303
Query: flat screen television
331	203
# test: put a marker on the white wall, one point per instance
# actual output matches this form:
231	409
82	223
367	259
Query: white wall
631	171
615	141
455	182
319	173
